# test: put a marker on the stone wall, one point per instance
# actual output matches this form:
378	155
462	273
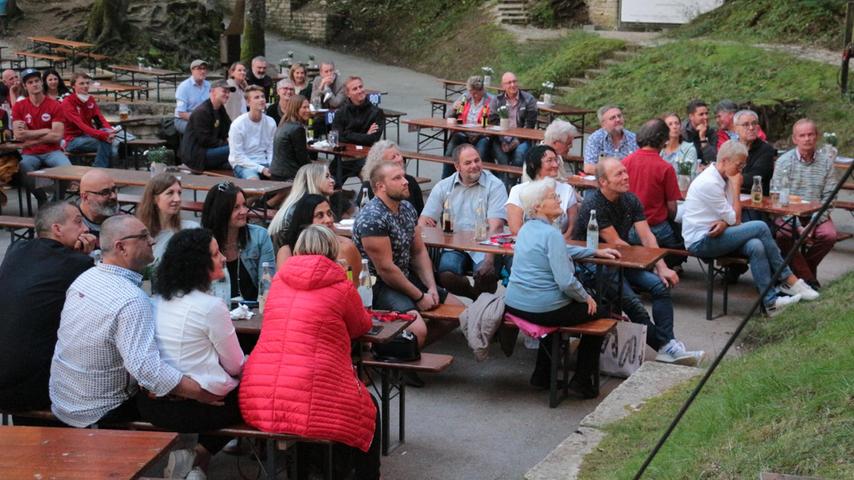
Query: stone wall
604	13
306	21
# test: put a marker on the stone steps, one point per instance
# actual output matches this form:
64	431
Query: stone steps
512	12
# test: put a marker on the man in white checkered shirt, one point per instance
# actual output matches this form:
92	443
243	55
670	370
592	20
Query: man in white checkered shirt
106	348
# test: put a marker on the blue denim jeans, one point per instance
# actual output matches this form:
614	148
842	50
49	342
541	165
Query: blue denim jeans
31	163
87	144
457	139
667	235
461	263
246	173
516	157
217	158
753	240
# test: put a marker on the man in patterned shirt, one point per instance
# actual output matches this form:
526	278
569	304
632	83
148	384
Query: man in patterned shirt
812	176
105	347
611	140
387	234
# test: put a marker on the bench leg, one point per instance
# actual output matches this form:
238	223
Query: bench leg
329	472
384	407
270	462
553	398
726	290
401	416
710	289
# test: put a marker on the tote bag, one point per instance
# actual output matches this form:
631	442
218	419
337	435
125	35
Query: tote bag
623	349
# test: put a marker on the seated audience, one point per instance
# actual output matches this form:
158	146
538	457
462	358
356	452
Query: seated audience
245	246
290	152
86	129
463	192
541	163
191	93
388	151
696	129
711	228
37	122
35	275
194	335
15	89
618	211
297	75
54	86
105	351
285	91
654	183
358	121
610	140
310	178
250	139
559	135
812	176
724	113
258	76
204	145
99	199
760	155
522	110
328	89
235	106
160	211
311	317
469	109
316	210
676	151
543	288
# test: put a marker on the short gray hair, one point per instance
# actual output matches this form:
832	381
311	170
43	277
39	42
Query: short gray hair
736	119
602	166
475	82
534	192
375	156
284	83
559	131
731	149
51	214
259	58
317	240
113	229
326	62
600	114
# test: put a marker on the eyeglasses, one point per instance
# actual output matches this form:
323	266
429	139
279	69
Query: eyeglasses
749	124
140	236
105	192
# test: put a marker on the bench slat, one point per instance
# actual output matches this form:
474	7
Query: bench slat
429	363
10	221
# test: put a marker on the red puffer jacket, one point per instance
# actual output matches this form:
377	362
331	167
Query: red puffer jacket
299	379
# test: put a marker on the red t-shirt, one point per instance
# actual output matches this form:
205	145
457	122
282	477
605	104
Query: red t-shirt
653	180
37	118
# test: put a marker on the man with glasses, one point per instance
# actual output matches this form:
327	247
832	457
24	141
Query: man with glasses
191	93
522	113
610	140
106	352
98	199
285	90
760	155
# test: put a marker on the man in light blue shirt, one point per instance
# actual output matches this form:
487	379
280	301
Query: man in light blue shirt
191	93
611	140
469	192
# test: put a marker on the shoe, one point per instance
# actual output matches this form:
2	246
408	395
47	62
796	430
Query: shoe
674	352
800	288
180	463
411	379
780	303
540	379
814	284
196	474
582	387
233	447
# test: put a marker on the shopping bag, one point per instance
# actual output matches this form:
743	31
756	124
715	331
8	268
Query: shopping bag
623	349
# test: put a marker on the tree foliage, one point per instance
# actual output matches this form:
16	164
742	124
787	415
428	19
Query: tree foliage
252	44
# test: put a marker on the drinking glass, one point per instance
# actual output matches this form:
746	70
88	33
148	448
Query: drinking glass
333	138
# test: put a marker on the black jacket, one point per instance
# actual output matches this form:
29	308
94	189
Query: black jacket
207	128
289	150
353	121
760	161
706	152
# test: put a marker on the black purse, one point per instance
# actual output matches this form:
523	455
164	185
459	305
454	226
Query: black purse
402	348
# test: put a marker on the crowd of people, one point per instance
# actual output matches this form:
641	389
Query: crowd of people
83	338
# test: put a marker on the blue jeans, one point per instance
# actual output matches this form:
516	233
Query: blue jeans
31	163
87	144
246	173
515	157
461	263
754	240
667	235
217	158
459	138
180	125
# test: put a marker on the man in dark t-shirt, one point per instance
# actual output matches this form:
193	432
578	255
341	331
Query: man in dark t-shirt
33	279
617	212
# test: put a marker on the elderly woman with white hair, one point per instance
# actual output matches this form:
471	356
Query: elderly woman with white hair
388	151
543	288
560	135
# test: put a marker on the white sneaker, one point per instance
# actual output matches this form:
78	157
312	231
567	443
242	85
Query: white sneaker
780	303
674	352
180	463
800	288
196	474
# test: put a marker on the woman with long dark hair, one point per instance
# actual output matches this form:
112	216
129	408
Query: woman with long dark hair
54	86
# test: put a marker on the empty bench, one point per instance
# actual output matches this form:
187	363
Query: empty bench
21	228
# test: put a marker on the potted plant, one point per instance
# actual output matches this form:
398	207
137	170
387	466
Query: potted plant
488	72
829	147
548	90
504	117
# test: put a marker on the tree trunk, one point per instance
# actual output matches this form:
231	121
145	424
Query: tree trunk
107	20
253	31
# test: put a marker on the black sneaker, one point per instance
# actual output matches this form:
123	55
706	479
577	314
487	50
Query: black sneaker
540	379
411	379
582	387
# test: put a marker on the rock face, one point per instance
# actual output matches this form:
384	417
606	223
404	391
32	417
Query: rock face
171	31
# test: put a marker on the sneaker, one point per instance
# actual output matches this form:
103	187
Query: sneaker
180	463
196	474
412	379
780	303
674	352
800	288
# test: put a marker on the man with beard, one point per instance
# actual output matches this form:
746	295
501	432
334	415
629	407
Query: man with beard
611	140
98	199
357	121
257	75
696	129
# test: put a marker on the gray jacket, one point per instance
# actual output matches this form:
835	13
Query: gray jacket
526	114
480	321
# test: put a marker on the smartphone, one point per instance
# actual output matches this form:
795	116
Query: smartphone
375	330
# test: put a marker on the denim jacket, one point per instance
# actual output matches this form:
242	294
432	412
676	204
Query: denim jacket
258	249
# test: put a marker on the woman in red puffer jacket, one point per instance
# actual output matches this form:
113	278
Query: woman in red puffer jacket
299	379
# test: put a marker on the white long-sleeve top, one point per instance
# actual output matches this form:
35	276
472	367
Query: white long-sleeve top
708	201
196	337
250	144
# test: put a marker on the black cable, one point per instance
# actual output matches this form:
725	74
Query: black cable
690	400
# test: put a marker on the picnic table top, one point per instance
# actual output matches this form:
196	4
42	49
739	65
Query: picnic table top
156	72
349	150
492	130
389	330
61	42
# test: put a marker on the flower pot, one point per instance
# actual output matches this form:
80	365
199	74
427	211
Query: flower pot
504	123
547	98
684	181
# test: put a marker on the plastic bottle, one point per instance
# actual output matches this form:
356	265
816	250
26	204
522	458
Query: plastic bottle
264	285
593	232
365	289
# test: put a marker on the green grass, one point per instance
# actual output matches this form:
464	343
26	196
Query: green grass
665	78
786	405
804	22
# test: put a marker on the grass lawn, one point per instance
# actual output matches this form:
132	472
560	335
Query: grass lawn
787	405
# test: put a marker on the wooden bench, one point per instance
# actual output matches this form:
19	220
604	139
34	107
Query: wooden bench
392	117
55	61
716	268
439	105
15	225
391	379
843	205
428	157
81	158
272	440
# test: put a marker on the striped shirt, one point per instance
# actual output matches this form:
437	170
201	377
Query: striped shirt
105	347
813	181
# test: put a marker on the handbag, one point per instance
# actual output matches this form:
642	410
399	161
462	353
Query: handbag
402	348
623	349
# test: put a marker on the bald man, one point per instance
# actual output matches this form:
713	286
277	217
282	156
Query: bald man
98	199
12	80
522	110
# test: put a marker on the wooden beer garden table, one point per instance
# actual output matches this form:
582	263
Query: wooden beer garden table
118	90
388	330
419	124
789	213
52	41
169	76
76	453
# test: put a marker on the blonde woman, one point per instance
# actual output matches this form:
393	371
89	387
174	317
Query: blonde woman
312	178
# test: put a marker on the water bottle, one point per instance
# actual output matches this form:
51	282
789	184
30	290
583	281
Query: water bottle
593	232
364	201
756	190
264	285
366	293
481	228
784	187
